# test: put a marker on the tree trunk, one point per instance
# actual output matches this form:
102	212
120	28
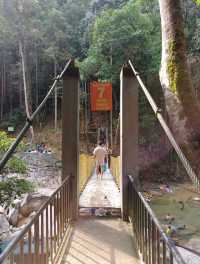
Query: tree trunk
36	80
21	102
55	99
9	87
26	92
181	104
2	89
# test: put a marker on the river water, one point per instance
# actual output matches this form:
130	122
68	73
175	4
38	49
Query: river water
182	204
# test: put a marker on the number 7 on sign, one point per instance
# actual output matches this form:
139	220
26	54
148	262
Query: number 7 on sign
101	90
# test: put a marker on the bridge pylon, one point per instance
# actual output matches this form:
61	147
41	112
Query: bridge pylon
128	132
70	132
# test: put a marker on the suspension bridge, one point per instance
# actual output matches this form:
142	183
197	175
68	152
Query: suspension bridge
122	228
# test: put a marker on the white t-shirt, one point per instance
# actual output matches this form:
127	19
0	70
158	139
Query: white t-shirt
100	154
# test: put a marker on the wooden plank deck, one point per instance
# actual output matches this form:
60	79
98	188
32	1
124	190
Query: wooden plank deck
101	241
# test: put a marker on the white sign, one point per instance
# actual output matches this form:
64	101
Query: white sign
10	129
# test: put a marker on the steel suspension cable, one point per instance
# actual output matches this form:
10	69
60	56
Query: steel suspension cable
30	120
168	132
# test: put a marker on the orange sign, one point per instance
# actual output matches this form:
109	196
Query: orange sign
101	96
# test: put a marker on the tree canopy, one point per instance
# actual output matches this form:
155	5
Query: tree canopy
101	35
119	34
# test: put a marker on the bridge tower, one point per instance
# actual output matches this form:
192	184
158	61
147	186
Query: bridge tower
70	132
128	133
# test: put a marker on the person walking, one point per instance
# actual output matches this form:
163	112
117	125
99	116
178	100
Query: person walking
99	155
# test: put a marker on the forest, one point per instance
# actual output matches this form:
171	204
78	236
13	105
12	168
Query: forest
37	37
146	53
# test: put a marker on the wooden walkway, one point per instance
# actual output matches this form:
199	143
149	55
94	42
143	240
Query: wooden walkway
101	241
101	193
104	239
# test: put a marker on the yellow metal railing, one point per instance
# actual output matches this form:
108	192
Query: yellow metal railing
115	169
86	168
87	165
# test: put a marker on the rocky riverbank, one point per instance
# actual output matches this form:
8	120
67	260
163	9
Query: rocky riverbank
44	171
15	217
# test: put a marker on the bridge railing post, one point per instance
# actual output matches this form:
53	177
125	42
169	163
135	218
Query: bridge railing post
128	132
70	133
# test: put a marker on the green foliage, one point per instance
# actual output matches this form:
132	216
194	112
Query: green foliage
171	68
147	121
5	141
147	118
102	34
12	188
191	12
50	32
16	165
119	34
15	120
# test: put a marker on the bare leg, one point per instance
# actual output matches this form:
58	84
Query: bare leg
97	172
101	173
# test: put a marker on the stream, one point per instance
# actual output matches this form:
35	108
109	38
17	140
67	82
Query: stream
182	204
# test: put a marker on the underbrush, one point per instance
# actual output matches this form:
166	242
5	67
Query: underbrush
13	188
15	164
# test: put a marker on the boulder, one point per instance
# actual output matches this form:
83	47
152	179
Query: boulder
13	216
2	211
22	221
32	203
17	203
4	227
